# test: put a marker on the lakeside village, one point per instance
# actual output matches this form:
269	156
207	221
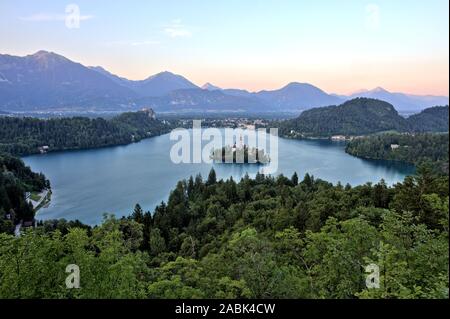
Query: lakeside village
229	122
338	138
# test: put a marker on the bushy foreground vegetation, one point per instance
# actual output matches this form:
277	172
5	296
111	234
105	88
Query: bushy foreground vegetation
259	238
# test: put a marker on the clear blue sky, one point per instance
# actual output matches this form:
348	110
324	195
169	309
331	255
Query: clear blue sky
338	45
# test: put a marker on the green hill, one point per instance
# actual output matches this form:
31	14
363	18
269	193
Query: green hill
362	116
410	148
355	117
22	136
433	119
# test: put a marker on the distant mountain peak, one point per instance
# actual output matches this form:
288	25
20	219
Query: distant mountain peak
46	54
98	68
210	87
296	84
46	80
164	75
46	58
401	101
379	89
299	85
162	83
41	52
297	96
360	91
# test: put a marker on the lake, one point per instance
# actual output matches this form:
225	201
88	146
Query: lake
88	183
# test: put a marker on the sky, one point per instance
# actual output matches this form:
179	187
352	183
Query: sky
341	46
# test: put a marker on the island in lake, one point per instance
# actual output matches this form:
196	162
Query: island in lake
242	154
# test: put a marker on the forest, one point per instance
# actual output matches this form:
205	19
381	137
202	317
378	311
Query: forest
433	119
268	237
24	136
409	148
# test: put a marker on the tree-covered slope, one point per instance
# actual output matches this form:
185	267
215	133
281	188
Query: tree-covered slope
362	116
433	119
355	117
15	180
409	148
25	135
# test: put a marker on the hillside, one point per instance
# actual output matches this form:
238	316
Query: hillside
356	117
434	119
409	148
22	136
362	116
15	179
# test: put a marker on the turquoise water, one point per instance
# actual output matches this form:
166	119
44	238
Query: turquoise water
88	183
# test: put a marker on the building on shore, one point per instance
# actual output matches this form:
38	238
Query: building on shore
149	111
338	138
43	149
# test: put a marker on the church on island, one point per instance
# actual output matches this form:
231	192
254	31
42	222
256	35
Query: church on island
240	154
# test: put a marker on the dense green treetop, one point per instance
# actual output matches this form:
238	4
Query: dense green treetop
268	237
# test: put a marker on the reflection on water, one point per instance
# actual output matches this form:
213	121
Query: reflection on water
88	183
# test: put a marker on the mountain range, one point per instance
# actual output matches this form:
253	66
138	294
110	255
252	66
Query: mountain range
402	101
47	81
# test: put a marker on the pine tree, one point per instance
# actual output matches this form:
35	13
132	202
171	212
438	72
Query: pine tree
294	179
138	214
212	179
